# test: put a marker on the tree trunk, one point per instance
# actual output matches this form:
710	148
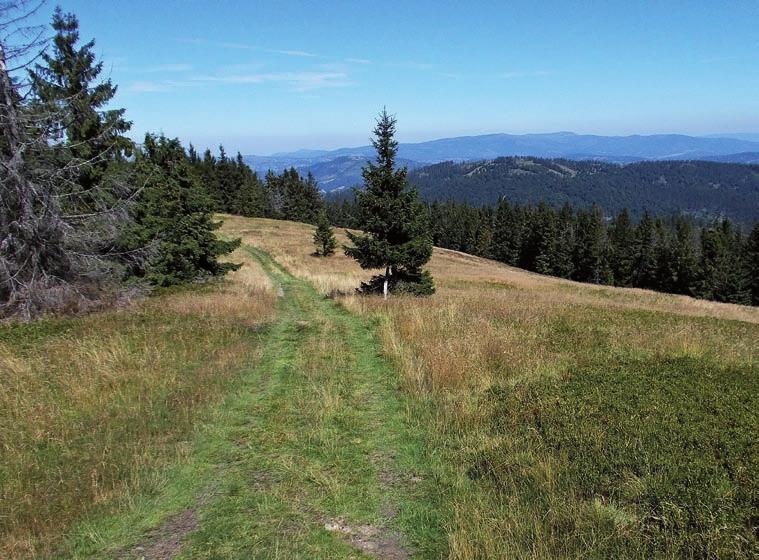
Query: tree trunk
387	278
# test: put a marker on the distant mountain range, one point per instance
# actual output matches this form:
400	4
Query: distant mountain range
341	168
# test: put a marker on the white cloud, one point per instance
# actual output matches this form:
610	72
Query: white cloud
170	68
293	53
247	47
149	87
528	74
358	61
299	81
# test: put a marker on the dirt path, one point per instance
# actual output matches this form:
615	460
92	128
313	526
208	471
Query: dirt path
313	457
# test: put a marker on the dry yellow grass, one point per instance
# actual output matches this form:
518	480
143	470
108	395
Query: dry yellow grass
490	321
91	406
491	324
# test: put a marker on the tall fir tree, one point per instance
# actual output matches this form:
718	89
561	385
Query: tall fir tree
644	270
508	233
723	276
538	253
396	234
752	263
68	82
685	261
564	243
590	263
622	248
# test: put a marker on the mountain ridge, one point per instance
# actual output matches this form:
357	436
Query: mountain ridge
568	145
701	189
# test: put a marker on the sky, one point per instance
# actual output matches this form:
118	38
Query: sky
264	77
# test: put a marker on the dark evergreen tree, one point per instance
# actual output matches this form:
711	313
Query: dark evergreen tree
324	237
538	249
564	243
721	269
590	263
174	216
622	248
302	199
67	83
396	234
508	233
248	198
685	261
752	263
666	273
644	271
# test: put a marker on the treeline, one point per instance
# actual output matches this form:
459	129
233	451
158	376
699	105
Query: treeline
84	212
235	189
716	261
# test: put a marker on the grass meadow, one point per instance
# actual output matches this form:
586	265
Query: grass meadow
92	408
550	419
567	420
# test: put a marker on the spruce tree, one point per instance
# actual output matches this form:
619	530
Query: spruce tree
324	237
752	263
590	262
68	82
174	217
508	233
723	276
622	248
538	253
564	243
685	259
644	261
396	234
249	198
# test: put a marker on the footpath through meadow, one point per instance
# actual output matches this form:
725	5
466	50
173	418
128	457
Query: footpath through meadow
312	456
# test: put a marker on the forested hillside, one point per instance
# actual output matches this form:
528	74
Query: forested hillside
695	188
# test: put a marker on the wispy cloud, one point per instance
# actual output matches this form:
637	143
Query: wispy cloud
248	47
721	59
297	81
219	44
155	86
525	74
293	53
413	65
169	68
357	61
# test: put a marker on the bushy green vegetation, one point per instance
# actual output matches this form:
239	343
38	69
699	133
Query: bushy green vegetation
174	214
650	457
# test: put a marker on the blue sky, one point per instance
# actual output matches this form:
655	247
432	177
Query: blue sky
263	77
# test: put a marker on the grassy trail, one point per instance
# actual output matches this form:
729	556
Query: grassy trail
313	456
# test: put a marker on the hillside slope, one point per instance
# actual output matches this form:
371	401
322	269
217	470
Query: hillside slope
696	188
